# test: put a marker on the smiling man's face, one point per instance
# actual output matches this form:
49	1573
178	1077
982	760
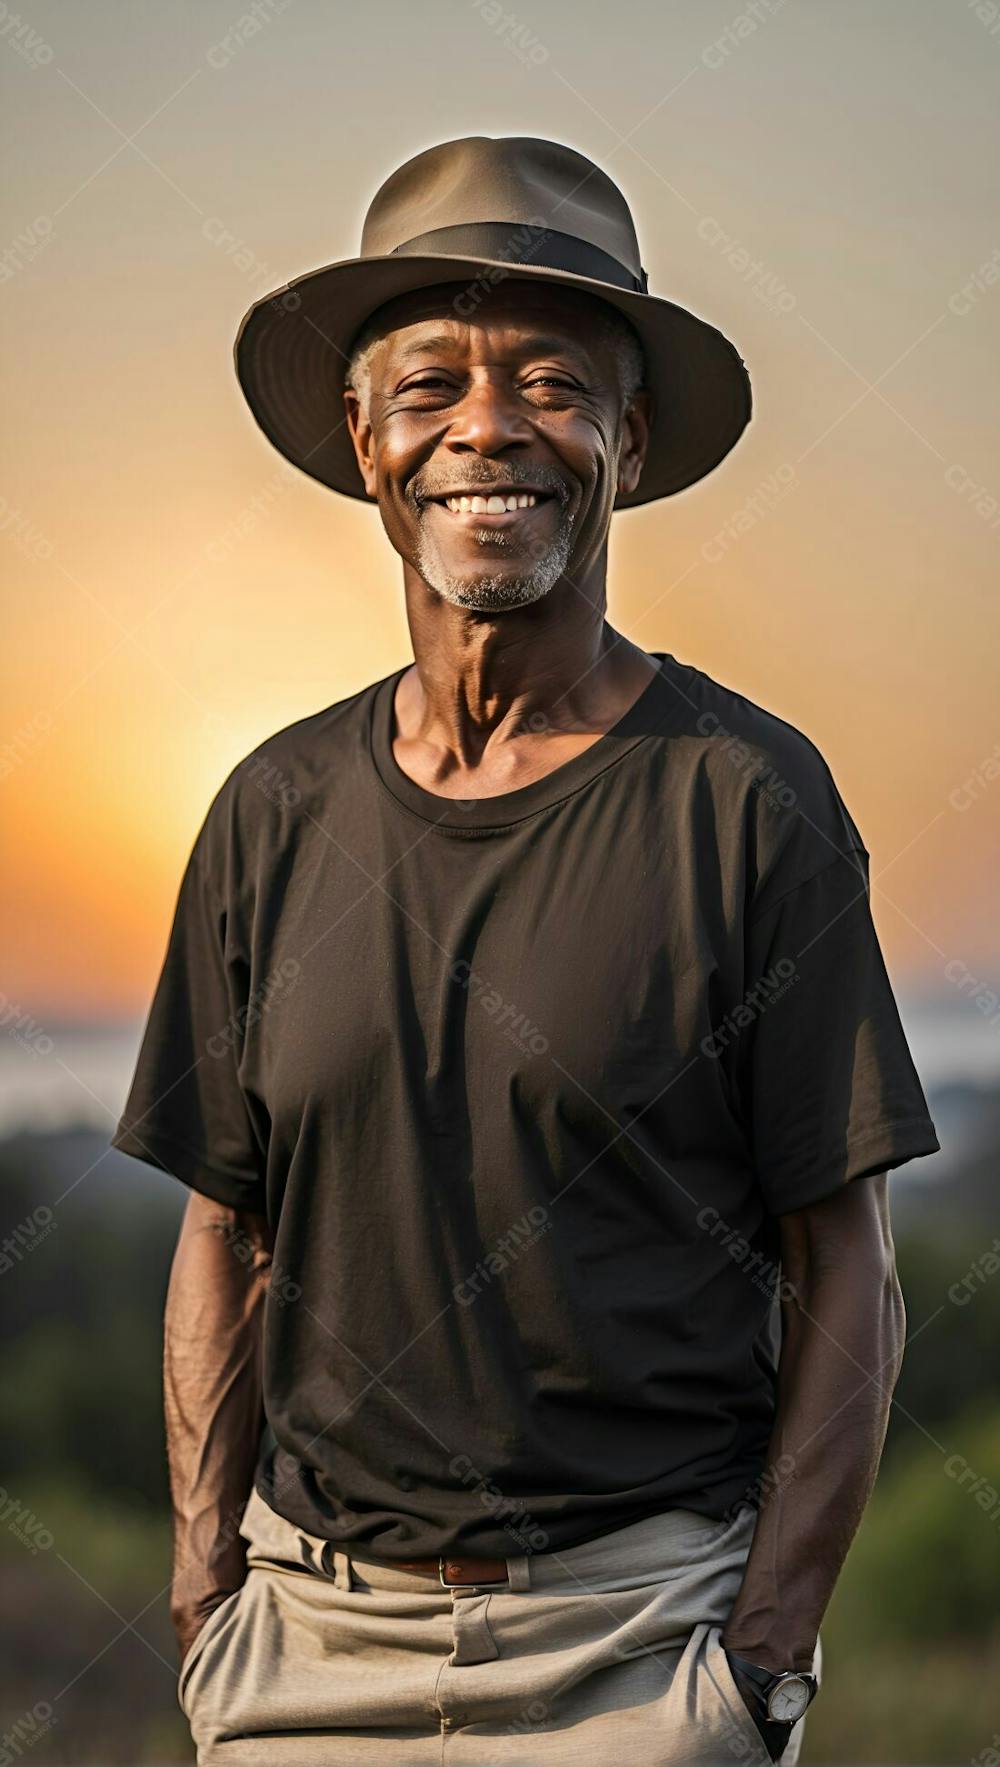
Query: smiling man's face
496	443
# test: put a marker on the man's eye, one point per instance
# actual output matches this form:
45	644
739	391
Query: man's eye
435	382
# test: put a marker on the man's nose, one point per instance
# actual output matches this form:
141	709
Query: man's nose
488	417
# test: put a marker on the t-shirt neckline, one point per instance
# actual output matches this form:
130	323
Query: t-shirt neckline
657	707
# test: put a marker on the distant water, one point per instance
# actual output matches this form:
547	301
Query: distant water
66	1075
76	1074
952	1042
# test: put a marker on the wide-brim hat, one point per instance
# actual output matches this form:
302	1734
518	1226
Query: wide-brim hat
477	212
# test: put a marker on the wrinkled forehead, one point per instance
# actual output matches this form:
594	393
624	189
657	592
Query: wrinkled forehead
512	308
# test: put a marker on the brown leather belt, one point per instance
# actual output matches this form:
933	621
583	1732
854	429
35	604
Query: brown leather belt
457	1571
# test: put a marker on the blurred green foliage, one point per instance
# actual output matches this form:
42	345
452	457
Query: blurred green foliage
926	1564
912	1639
951	1359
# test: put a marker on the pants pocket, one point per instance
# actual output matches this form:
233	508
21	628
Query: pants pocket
718	1667
742	1737
196	1650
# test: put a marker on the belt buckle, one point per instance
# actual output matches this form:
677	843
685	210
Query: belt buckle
446	1585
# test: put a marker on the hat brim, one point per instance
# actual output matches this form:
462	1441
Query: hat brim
291	358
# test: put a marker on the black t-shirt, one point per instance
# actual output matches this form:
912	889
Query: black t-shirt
523	1084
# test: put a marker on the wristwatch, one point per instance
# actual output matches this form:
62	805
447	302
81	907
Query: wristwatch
780	1697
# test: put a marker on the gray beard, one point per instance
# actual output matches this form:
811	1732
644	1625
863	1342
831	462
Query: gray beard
501	589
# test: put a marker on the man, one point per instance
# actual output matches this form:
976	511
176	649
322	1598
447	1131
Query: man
525	1040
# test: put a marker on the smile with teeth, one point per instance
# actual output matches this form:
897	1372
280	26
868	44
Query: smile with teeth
493	505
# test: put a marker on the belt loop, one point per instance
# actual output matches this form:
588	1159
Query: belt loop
341	1570
519	1572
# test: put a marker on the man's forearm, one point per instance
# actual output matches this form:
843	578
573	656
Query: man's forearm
212	1399
843	1330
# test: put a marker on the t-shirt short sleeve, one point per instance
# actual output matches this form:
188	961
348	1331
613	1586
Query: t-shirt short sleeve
829	1086
186	1111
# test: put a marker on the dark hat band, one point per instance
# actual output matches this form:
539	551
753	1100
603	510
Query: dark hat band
519	242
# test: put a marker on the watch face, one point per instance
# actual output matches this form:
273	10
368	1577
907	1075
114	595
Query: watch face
788	1700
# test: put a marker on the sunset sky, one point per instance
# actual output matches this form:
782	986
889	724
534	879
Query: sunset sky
818	180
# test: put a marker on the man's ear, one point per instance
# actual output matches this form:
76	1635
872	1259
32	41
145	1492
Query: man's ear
360	431
637	423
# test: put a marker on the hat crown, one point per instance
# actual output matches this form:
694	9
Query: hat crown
513	178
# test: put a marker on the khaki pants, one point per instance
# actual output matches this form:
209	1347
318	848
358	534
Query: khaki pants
599	1654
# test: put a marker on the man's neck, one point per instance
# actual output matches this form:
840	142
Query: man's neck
491	703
